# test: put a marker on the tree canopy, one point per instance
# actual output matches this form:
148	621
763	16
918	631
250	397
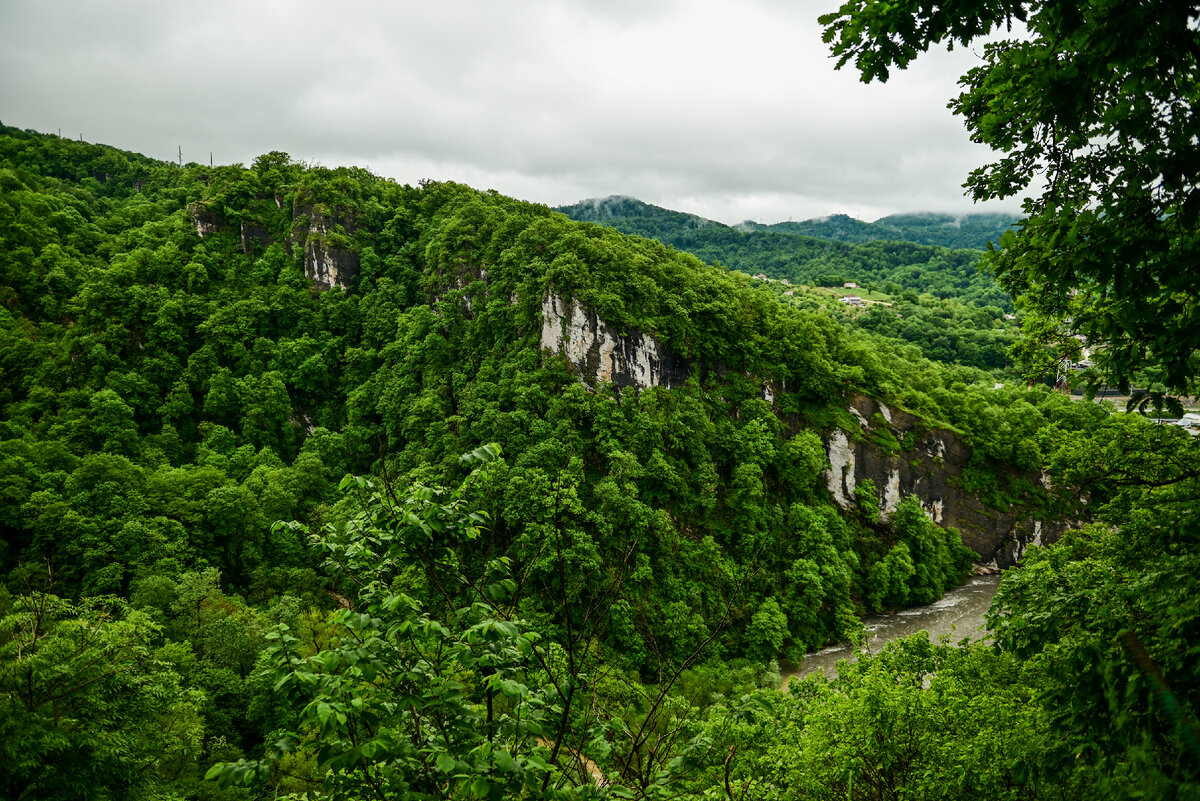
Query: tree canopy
812	253
1089	106
583	615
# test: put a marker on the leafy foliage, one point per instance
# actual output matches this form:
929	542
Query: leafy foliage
92	707
1108	615
175	384
788	251
399	702
968	231
1095	100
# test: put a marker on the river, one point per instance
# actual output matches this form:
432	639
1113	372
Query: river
958	614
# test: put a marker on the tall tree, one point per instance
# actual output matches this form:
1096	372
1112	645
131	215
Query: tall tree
89	707
1090	108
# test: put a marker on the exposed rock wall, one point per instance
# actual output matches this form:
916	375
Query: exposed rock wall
326	264
601	354
206	222
255	237
928	471
928	467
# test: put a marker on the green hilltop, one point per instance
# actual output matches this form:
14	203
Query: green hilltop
240	338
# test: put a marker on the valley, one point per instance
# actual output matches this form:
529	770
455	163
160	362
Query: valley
320	484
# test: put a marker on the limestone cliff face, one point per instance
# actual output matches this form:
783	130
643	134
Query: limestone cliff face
928	471
318	236
928	466
326	263
255	237
205	221
601	354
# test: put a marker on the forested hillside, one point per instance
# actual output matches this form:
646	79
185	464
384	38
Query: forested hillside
294	483
794	251
934	298
967	231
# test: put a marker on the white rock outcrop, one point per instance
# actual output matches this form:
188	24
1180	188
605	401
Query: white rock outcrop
891	495
839	478
326	266
927	467
601	354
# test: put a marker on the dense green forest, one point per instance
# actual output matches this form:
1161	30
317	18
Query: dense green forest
968	231
797	254
294	497
944	330
938	299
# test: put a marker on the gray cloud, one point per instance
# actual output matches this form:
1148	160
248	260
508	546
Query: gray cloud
726	109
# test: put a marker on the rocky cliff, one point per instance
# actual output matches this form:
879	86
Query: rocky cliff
328	262
601	354
255	237
929	464
929	467
321	235
205	221
896	451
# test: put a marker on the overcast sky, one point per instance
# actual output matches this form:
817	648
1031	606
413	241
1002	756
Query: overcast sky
730	110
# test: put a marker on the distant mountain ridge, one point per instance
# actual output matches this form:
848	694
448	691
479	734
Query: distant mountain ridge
826	252
972	231
631	215
969	231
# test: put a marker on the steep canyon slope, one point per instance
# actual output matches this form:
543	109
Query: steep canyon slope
215	347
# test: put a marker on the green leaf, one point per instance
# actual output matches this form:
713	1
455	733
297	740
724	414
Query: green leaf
481	455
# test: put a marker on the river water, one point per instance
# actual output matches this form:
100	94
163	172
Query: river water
958	614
